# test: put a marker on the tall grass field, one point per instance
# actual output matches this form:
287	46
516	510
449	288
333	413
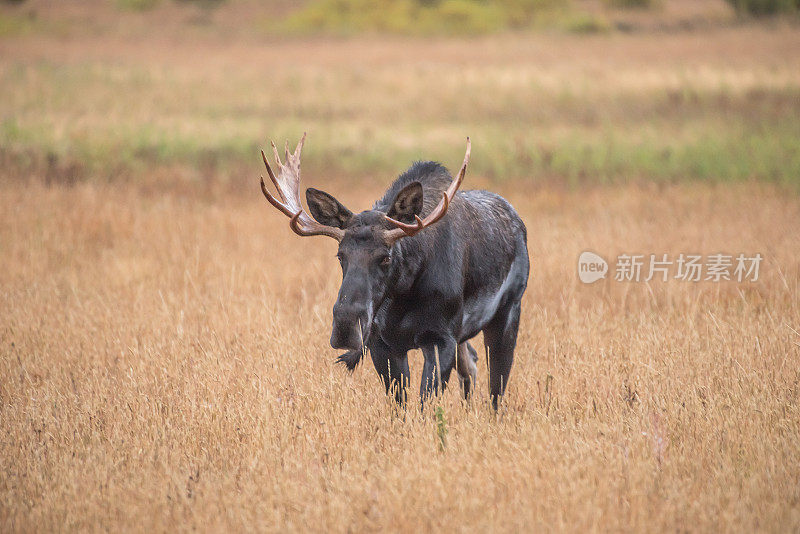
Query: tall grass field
164	358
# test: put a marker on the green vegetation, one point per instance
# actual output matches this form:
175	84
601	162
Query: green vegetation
137	5
133	118
585	23
205	4
417	17
719	156
145	5
12	25
760	8
441	427
631	4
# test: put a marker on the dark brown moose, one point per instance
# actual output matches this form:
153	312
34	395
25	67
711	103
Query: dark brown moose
428	267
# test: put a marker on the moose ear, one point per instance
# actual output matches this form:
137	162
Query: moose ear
407	203
326	209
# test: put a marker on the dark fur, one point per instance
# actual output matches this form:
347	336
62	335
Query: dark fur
440	288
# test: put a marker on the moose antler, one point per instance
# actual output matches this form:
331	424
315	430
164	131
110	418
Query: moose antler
288	186
402	229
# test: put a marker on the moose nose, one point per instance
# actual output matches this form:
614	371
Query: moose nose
346	312
347	319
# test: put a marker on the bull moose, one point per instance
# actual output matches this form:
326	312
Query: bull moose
428	267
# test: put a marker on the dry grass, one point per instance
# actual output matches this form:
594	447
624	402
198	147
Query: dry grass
164	364
163	335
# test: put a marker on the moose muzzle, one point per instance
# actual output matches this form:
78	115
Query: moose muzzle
350	326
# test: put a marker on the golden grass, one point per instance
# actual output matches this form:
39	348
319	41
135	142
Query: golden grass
163	335
164	364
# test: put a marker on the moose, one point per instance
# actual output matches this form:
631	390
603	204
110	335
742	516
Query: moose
428	267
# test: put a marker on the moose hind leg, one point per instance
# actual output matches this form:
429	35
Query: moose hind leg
500	336
467	367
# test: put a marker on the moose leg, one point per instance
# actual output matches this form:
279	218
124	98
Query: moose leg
431	372
500	336
467	367
392	368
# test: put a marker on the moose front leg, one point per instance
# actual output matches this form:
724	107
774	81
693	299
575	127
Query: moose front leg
392	369
433	370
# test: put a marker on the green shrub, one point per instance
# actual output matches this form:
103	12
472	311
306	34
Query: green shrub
460	16
206	4
761	8
524	13
137	5
15	25
631	4
415	17
586	23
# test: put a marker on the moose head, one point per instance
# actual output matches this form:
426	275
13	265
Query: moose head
367	253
